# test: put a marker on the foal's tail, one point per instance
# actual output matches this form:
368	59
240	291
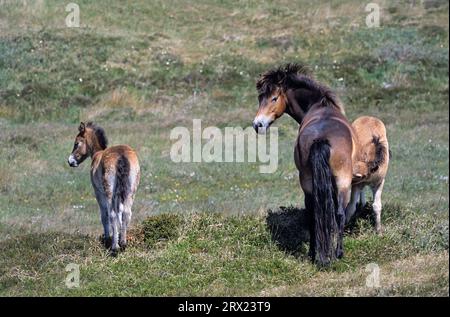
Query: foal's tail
381	153
122	184
325	203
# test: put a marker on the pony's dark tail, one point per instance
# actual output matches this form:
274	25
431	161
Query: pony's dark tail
325	203
122	184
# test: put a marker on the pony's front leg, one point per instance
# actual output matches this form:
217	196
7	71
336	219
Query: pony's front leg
362	198
377	190
309	205
351	207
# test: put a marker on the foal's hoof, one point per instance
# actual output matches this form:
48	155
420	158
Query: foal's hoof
123	246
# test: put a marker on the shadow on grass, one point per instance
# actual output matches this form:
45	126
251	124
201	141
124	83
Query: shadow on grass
362	212
288	227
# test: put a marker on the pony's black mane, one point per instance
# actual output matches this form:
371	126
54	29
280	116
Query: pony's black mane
99	133
296	76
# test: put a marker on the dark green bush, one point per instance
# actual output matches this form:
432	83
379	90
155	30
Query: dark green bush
160	228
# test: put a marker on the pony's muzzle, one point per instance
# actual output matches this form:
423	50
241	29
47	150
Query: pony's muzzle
261	125
72	161
257	126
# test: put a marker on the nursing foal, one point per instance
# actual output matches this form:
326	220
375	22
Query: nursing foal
370	166
115	178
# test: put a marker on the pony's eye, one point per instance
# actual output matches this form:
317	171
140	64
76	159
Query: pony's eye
274	99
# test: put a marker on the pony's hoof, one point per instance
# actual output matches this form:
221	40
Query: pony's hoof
321	263
123	246
339	254
106	241
114	253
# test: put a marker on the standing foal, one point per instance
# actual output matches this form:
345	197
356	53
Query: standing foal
115	178
371	165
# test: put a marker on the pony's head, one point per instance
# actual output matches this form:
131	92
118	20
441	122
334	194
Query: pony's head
90	138
273	101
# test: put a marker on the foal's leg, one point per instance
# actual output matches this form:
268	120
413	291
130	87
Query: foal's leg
114	218
351	207
126	218
377	190
116	221
105	208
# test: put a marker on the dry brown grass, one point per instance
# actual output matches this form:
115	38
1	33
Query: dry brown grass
414	275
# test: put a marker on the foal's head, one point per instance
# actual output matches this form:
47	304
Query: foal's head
90	139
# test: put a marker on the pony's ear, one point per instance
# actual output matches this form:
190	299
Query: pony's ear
82	127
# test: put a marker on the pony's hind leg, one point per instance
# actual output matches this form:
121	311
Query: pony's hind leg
343	199
377	190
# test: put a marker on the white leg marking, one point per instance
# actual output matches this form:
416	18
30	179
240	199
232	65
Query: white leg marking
377	190
115	234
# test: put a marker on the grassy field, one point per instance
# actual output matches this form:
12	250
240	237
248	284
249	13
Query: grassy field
141	69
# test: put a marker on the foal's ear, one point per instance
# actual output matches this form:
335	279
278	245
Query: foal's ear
82	127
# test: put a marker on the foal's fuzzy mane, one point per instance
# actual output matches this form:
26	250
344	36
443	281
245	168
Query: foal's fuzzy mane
99	133
294	75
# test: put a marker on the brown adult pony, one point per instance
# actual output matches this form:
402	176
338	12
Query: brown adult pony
323	151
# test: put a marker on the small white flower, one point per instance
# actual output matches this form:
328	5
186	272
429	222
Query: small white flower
80	79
